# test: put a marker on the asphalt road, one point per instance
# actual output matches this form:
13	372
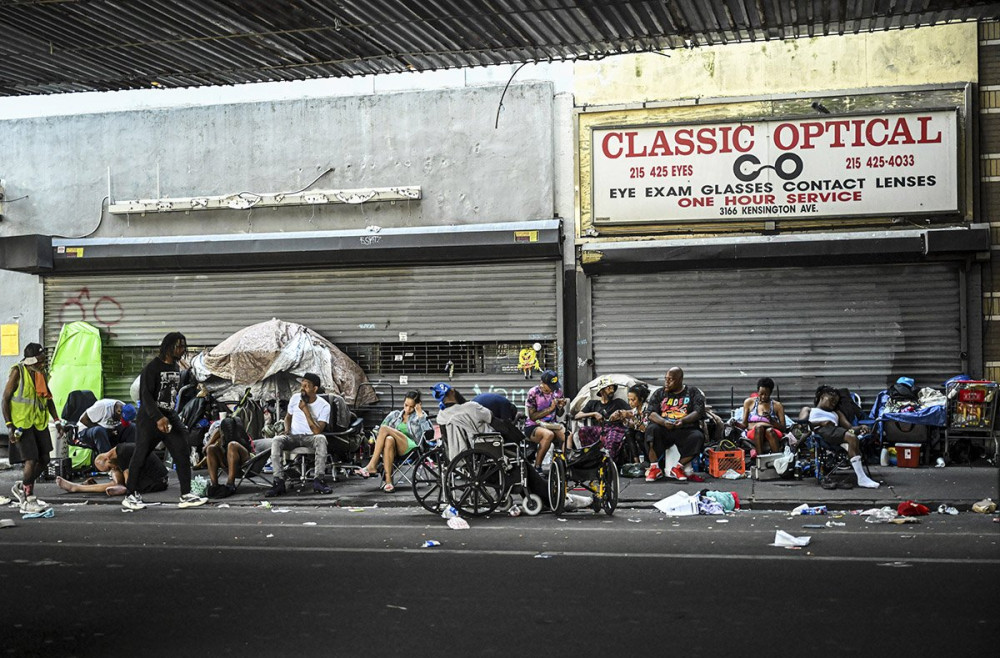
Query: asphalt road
98	582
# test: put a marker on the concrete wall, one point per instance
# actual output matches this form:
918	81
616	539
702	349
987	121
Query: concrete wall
20	304
442	140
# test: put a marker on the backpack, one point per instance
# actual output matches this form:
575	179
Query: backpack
251	414
902	393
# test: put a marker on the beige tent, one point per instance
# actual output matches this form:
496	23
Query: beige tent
271	357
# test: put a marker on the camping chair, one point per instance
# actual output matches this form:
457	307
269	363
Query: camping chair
344	435
827	460
404	464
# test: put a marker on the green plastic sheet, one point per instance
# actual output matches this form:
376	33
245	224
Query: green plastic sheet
76	364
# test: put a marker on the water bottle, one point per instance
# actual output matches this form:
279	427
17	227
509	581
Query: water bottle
17	434
884	457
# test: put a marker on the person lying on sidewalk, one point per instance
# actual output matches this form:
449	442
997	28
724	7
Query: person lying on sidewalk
836	432
152	478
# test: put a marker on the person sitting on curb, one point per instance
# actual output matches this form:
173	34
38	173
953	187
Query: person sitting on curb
675	412
101	422
303	429
543	404
400	432
229	446
115	461
835	431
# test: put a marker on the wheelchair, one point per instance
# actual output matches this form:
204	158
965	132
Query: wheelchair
590	468
487	476
815	458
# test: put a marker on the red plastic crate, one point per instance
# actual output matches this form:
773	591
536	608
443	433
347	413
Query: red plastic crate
720	461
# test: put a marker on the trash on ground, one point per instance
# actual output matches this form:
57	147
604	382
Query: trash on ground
731	475
876	515
430	543
940	463
47	514
449	513
543	556
355	509
575	501
985	506
678	504
395	607
812	526
7	523
458	523
266	504
280	510
514	511
900	520
309	523
722	520
268	536
806	510
912	508
784	540
894	564
634	520
74	504
223	506
835	524
4	500
947	509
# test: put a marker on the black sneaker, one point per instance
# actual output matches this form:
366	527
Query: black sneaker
276	489
321	488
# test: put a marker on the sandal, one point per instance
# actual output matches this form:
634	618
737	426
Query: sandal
363	472
388	488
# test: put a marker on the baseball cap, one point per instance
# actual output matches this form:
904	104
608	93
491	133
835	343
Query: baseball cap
906	381
31	353
551	379
312	377
128	412
440	390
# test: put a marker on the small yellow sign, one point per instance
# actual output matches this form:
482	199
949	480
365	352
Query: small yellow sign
525	236
9	340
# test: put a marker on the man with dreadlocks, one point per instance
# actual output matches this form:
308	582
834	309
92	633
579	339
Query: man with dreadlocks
158	421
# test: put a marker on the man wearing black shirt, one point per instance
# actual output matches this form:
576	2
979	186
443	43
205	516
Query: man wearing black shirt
675	413
116	462
158	421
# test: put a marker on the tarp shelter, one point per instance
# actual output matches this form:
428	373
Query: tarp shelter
271	357
76	363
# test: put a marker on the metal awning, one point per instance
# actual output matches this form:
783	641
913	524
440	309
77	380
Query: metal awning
54	46
766	251
40	254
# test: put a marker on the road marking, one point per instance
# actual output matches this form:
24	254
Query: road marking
797	555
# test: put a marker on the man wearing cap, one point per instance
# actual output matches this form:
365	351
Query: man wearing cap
100	423
27	406
304	423
543	404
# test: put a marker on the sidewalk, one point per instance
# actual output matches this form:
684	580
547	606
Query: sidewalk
959	486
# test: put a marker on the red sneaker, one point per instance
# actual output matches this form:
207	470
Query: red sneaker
654	473
677	473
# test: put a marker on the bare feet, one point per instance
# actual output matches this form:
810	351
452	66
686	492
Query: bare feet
65	485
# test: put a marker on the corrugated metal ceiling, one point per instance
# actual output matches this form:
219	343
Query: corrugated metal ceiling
54	46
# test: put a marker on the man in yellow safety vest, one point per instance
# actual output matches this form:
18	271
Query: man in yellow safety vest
27	405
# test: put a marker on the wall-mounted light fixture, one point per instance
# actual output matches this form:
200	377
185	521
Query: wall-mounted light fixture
247	200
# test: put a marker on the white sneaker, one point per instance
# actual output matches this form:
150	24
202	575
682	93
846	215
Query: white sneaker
31	506
18	491
191	500
133	502
38	501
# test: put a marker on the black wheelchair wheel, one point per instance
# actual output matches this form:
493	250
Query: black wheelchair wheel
609	485
428	482
474	482
557	485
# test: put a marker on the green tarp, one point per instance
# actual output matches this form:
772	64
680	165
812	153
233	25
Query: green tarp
76	364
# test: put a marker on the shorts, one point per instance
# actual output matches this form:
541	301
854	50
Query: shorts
753	430
831	435
34	445
530	431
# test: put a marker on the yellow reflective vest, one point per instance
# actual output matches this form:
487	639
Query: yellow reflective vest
27	408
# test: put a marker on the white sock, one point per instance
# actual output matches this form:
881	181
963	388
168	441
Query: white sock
688	469
863	480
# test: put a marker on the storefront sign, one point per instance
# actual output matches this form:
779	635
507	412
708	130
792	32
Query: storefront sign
887	164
